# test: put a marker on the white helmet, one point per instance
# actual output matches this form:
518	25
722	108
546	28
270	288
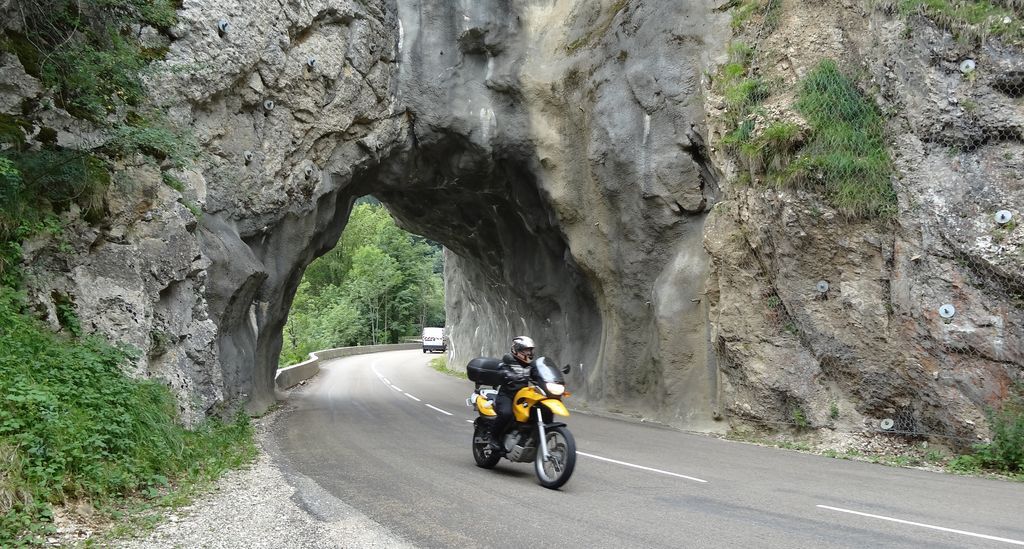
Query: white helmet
522	349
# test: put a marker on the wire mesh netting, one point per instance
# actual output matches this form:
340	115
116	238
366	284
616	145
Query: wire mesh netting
895	127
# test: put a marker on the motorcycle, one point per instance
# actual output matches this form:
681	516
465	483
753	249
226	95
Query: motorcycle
534	435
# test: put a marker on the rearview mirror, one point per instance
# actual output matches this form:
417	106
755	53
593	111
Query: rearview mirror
566	369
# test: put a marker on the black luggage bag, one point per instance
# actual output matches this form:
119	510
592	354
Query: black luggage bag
484	371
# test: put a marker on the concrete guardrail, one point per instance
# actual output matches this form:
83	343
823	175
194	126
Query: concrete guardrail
291	376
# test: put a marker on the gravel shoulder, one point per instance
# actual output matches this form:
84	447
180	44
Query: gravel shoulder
265	505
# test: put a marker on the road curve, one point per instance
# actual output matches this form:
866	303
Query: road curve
391	437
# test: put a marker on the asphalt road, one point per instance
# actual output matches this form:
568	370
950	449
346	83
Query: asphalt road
391	437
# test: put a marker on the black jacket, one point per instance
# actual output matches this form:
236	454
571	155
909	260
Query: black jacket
516	374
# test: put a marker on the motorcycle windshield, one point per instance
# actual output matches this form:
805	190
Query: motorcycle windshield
546	371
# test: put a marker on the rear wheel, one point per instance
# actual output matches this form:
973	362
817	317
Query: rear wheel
556	470
484	457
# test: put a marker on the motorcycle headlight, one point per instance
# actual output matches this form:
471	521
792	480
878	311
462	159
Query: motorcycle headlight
554	389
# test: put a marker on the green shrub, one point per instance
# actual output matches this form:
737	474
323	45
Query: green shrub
799	418
967	463
91	80
154	137
1006	451
88	57
37	184
81	50
73	426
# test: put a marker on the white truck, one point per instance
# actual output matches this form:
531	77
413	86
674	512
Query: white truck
433	340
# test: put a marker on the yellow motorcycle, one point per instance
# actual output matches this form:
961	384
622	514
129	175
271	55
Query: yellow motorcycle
534	435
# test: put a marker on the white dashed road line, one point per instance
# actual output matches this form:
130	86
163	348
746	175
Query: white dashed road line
439	410
695	479
653	470
395	387
890	519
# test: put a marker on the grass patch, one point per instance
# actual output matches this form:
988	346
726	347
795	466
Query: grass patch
742	93
441	365
773	148
845	154
74	427
840	151
746	11
742	13
972	19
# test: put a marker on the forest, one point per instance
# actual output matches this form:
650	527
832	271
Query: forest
379	285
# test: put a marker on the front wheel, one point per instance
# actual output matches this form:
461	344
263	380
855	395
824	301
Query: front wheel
484	457
555	471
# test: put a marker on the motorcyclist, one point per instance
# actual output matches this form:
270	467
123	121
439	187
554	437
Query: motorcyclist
516	369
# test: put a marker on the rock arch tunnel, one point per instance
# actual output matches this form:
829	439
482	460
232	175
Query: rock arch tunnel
570	189
557	148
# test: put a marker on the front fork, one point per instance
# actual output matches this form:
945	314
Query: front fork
543	435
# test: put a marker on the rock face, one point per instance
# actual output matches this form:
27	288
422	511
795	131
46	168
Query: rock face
574	187
874	345
563	152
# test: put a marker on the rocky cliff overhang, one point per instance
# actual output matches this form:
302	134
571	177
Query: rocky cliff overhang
554	149
561	152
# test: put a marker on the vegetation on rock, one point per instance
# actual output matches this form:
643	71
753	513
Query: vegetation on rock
745	10
89	58
74	427
845	152
972	19
1005	451
841	152
812	118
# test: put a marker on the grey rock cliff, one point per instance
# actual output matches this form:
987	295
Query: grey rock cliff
874	345
565	154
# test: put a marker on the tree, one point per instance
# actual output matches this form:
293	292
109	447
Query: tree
377	285
371	282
